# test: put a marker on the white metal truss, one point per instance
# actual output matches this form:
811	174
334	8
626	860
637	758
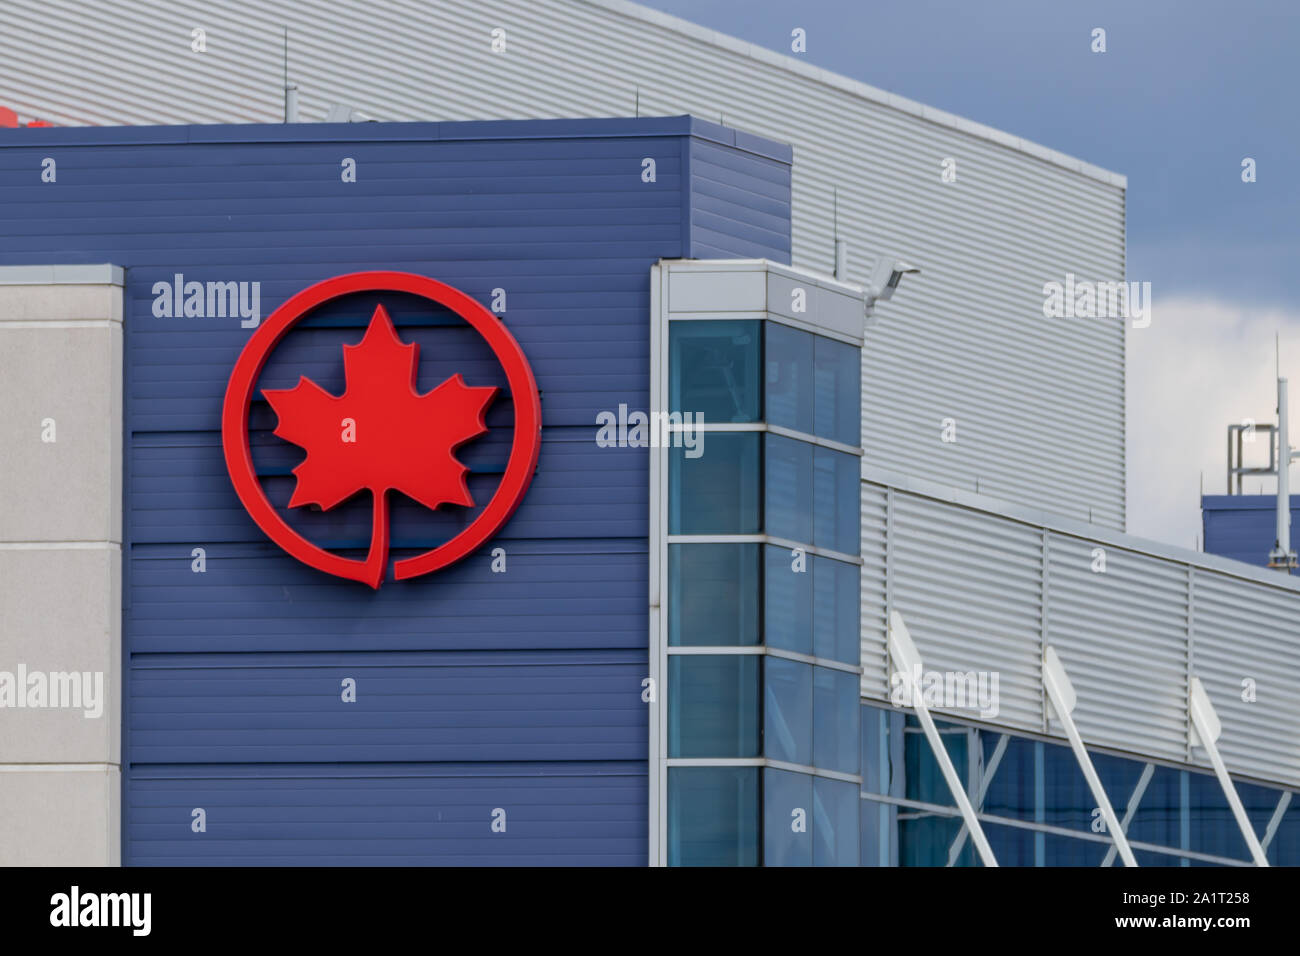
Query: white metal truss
1204	731
907	660
1061	701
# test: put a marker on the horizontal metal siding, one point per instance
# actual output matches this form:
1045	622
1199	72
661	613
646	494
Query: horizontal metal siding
971	585
522	675
1039	402
263	707
1122	636
254	600
379	815
1247	632
723	213
968	587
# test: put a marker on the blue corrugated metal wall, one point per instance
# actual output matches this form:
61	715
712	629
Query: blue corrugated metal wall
1245	526
475	690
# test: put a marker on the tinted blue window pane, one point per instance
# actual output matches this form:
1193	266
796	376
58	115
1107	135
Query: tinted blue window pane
787	600
1017	846
836	602
1067	851
835	819
879	825
838	406
924	780
714	370
1011	789
1213	827
787	804
837	512
1068	800
790	377
1285	848
883	765
925	839
712	816
1150	858
1011	846
787	711
713	705
787	489
1159	817
835	720
713	594
717	492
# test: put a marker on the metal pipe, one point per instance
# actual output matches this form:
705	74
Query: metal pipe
842	259
291	103
1281	557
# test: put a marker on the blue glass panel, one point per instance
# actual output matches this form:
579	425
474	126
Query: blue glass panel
836	501
713	592
787	492
836	598
1159	816
835	820
1285	848
883	765
787	818
1010	791
1068	851
924	779
1011	846
714	370
718	492
713	705
712	816
838	403
879	834
789	387
1068	801
1213	828
787	600
925	839
835	720
1151	858
787	711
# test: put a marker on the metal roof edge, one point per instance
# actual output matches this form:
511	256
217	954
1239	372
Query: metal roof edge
858	88
1076	529
400	131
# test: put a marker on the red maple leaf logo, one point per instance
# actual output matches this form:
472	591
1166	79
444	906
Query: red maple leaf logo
380	434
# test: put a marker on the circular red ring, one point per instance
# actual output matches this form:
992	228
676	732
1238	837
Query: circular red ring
524	448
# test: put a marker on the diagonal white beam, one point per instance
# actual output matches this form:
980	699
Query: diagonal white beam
1283	802
907	660
995	760
1204	732
1061	697
1143	782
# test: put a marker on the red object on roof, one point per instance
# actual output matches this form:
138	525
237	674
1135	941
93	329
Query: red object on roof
39	123
8	117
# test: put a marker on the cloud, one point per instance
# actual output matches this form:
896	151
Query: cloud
1201	365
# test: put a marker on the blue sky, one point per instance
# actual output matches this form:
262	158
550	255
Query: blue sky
1183	92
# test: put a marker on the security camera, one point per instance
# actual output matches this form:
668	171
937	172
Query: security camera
885	277
888	272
